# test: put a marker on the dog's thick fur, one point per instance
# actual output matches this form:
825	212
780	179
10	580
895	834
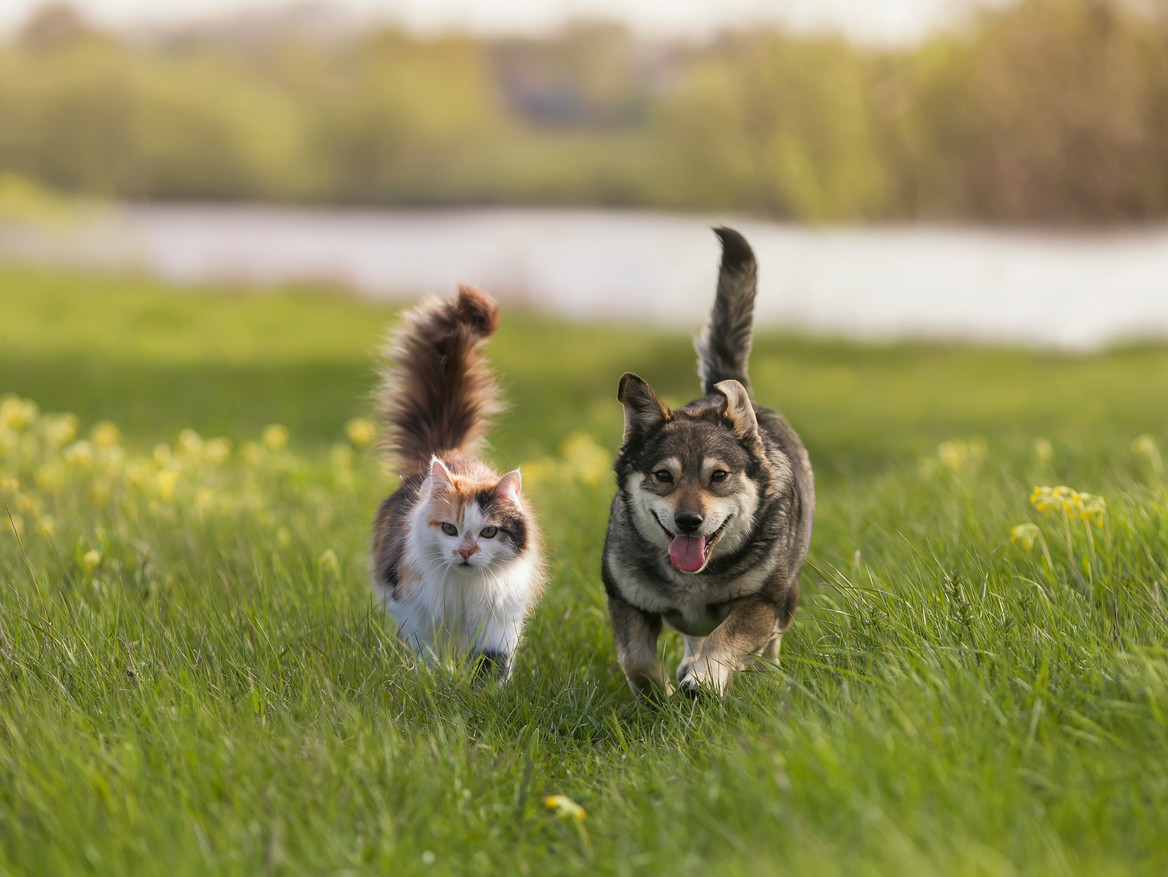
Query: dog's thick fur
721	487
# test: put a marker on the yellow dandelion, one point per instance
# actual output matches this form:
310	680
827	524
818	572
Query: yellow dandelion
90	561
275	436
10	484
105	435
564	807
162	455
360	431
46	527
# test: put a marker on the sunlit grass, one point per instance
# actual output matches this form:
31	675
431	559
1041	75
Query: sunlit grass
193	678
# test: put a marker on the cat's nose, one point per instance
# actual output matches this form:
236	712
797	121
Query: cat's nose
687	522
466	551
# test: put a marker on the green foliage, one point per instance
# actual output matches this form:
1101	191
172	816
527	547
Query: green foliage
1044	111
193	678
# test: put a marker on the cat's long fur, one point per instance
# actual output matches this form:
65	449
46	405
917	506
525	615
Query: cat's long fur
466	593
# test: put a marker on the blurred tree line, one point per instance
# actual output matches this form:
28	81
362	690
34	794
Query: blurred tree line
1048	111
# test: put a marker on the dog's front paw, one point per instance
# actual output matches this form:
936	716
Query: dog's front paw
684	666
704	677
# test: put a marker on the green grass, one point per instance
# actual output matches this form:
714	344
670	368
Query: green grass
211	693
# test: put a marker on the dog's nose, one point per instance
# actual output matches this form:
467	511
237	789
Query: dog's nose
687	522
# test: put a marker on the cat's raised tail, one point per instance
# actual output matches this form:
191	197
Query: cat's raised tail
437	394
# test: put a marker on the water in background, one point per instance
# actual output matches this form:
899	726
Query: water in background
1073	290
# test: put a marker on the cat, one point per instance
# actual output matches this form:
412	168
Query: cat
456	553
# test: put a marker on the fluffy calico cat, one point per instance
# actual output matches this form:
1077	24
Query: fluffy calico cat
456	553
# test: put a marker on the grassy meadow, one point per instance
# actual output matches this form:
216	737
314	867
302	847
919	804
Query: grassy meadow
193	679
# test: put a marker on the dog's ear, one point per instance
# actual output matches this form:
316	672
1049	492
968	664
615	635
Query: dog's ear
643	410
739	410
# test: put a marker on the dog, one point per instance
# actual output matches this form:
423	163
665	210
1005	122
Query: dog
713	513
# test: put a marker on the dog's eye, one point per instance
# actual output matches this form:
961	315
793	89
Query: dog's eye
719	475
488	532
664	476
450	529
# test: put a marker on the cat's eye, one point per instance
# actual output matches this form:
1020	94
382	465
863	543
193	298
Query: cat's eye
719	475
488	532
449	529
664	476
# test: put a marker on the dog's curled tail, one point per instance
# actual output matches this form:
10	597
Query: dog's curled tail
724	345
437	393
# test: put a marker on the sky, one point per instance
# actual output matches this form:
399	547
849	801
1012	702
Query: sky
870	21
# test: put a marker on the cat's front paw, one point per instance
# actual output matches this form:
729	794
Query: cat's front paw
703	677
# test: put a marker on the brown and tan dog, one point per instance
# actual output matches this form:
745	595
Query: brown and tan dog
712	518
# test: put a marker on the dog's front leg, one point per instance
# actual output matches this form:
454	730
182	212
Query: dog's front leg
636	635
746	632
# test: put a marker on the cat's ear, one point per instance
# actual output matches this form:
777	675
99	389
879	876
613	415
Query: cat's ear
441	480
508	487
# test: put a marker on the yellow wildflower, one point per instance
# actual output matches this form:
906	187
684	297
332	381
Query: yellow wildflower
1145	446
59	429
105	435
90	560
46	527
164	482
51	476
80	454
251	452
98	494
9	484
360	431
17	413
217	450
275	436
1024	535
138	473
564	807
30	503
189	443
1043	450
328	562
162	454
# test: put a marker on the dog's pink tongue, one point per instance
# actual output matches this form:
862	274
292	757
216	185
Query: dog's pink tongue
687	553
